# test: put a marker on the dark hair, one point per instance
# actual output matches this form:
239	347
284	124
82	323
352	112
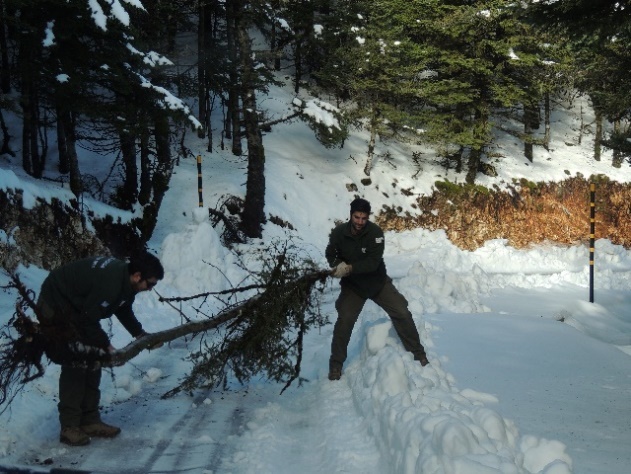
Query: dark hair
360	205
147	264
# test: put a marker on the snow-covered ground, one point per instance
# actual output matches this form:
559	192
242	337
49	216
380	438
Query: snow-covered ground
526	375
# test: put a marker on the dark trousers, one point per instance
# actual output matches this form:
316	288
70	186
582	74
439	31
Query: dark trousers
79	396
349	305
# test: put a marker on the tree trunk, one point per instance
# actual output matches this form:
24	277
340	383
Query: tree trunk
371	147
161	175
530	122
144	194
201	70
67	147
29	60
129	191
253	216
29	126
297	61
479	136
6	137
233	126
546	137
457	157
475	157
598	137
5	65
276	51
617	158
62	146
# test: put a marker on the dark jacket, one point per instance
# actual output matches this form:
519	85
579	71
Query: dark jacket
364	252
88	290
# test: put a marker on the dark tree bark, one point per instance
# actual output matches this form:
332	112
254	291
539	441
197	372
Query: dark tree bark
598	136
67	147
531	121
202	92
145	167
129	192
63	166
253	216
475	157
481	119
5	66
6	137
28	102
233	124
546	121
617	157
161	175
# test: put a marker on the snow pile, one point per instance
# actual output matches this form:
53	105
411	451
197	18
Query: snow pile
422	423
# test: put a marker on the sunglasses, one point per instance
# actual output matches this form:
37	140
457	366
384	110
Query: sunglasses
151	284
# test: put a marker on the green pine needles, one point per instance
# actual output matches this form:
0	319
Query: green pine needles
266	332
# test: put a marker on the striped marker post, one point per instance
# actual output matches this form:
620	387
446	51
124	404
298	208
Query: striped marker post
592	227
199	180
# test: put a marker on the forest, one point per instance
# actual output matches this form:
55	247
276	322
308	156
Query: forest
110	78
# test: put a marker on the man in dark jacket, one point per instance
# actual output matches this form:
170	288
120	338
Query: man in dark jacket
72	301
355	252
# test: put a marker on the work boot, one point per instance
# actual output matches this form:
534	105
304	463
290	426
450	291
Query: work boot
101	430
74	436
335	374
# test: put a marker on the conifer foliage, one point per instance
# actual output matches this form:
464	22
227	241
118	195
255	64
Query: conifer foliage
265	335
262	333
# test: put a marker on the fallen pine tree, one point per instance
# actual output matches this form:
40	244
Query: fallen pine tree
262	334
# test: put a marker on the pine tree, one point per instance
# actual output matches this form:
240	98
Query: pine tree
375	68
82	70
448	69
599	34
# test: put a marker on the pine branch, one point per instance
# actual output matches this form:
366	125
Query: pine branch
257	335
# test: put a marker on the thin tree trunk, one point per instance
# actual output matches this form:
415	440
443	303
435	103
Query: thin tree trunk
617	159
129	192
144	195
161	175
6	137
29	60
370	156
546	136
5	65
278	52
475	156
29	155
530	121
201	69
457	157
475	153
297	62
233	128
62	146
582	127
253	216
598	137
67	146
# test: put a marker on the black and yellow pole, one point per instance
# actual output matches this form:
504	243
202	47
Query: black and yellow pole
199	180
592	240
